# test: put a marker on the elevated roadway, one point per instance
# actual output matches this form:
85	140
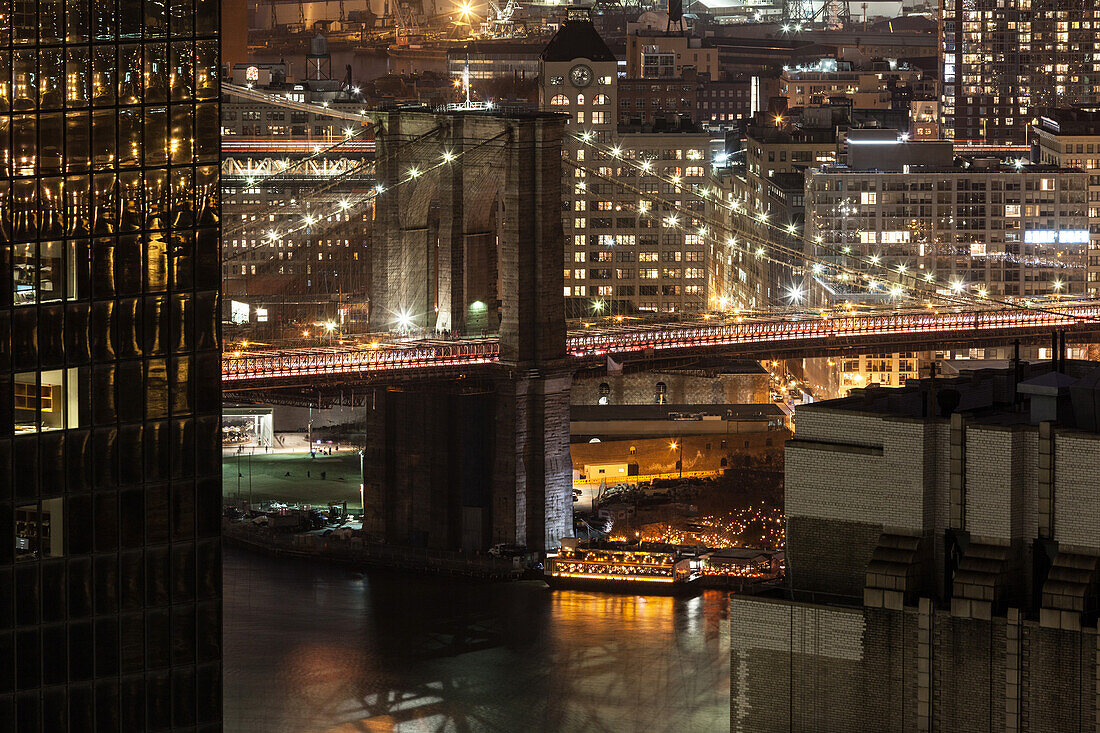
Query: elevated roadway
802	334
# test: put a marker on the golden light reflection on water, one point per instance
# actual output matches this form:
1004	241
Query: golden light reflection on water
384	652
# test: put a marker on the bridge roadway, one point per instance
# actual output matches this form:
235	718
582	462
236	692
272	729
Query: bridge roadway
805	334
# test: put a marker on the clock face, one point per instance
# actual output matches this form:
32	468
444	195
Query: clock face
580	75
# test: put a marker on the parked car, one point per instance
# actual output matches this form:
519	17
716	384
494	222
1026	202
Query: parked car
506	550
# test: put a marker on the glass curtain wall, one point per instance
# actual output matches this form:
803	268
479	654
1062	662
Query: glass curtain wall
109	366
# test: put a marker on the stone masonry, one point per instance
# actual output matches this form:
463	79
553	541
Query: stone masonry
488	261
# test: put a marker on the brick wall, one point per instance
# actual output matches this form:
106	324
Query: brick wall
796	667
1076	477
991	468
818	563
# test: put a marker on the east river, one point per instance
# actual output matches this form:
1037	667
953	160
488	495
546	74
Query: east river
313	647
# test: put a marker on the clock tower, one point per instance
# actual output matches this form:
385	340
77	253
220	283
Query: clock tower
577	77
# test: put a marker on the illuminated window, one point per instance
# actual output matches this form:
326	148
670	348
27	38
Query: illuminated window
40	274
45	400
40	530
559	100
661	393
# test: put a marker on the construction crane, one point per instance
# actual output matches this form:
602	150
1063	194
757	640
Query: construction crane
501	23
831	14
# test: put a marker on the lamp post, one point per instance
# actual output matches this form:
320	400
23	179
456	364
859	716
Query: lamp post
680	462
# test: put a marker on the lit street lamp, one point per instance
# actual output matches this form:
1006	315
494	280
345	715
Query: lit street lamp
680	461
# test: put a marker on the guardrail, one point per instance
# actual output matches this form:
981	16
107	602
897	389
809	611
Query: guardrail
314	362
686	336
241	367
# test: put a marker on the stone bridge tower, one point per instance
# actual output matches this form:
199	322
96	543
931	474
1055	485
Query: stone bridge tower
469	242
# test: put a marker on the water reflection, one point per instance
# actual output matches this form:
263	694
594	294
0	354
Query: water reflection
314	648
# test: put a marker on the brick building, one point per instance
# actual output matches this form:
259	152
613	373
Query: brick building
624	252
953	530
649	101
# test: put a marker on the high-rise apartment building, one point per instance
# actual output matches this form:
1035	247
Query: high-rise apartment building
1003	61
110	455
983	226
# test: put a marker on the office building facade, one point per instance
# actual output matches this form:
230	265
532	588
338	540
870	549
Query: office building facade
110	590
988	227
1070	138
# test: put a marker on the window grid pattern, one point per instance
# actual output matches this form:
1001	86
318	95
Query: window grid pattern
109	279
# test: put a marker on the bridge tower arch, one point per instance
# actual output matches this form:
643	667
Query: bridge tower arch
472	247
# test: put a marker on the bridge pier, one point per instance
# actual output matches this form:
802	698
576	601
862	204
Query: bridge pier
465	467
532	473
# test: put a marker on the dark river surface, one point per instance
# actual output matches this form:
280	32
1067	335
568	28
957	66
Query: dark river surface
313	647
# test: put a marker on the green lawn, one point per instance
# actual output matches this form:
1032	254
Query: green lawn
270	482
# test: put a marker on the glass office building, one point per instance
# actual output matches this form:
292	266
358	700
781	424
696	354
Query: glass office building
110	592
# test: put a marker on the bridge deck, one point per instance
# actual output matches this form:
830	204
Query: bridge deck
586	346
